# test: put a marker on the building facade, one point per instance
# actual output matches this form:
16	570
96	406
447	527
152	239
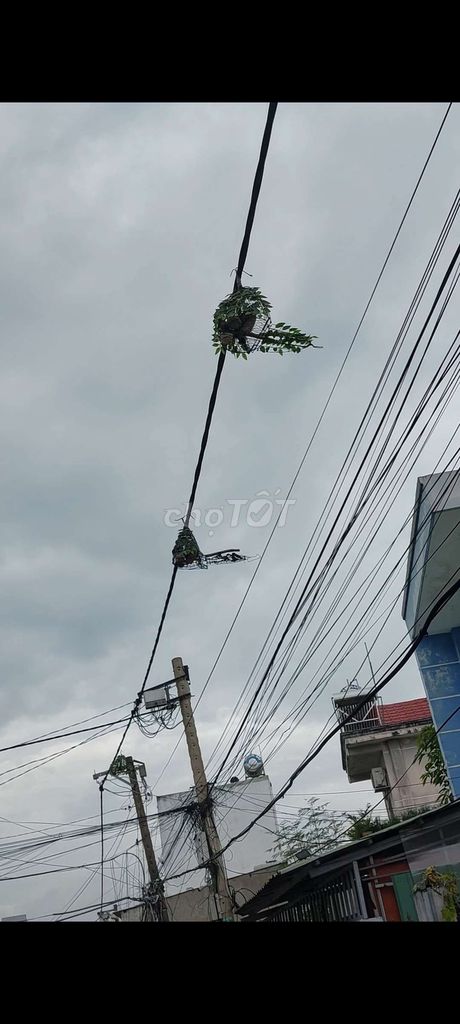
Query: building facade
379	878
379	743
234	805
433	568
197	906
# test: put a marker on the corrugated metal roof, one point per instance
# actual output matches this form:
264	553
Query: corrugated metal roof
405	711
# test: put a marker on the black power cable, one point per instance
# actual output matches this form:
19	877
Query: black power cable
237	285
437	607
220	365
361	429
101	794
312	648
310	443
62	735
306	704
370	810
307	593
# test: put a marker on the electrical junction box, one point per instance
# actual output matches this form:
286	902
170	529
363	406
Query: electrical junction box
379	779
156	697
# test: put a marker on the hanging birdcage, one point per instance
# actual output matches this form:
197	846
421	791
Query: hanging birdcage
119	766
224	557
186	553
242	324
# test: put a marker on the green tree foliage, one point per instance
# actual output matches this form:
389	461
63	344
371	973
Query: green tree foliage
313	831
430	756
363	823
446	885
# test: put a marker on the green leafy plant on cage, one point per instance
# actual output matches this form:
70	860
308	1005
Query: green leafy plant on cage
119	766
242	324
186	553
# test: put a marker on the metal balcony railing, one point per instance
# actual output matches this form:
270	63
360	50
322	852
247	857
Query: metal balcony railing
366	718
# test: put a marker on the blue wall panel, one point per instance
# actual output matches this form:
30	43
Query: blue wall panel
456	639
437	650
439	663
443	709
442	680
450	742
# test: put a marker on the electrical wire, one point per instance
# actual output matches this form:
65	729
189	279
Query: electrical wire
61	735
317	427
365	584
101	794
310	583
220	365
337	486
241	261
437	606
370	810
374	535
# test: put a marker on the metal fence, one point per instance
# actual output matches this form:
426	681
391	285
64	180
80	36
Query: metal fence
336	901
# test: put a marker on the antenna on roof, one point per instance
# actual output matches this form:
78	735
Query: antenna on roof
370	663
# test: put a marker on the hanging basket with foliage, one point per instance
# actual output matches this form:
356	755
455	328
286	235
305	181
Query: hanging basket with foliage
187	555
242	324
119	766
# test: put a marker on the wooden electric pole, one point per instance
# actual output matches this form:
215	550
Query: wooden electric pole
224	904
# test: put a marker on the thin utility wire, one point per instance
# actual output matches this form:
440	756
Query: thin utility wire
212	402
311	582
437	606
370	810
409	316
317	427
220	365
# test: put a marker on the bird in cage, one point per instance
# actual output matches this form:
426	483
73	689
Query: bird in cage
242	324
187	555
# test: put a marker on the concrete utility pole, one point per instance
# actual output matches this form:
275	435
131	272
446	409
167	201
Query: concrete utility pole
154	875
126	766
224	904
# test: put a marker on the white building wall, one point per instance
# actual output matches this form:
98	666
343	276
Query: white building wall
235	805
398	755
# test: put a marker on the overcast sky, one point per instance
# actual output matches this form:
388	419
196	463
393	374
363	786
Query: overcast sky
120	227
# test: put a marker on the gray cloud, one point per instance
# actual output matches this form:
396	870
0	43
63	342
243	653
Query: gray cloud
121	224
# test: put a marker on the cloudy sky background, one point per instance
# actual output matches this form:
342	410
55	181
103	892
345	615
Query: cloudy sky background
121	225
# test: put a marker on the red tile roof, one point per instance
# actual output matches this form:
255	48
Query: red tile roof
405	711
